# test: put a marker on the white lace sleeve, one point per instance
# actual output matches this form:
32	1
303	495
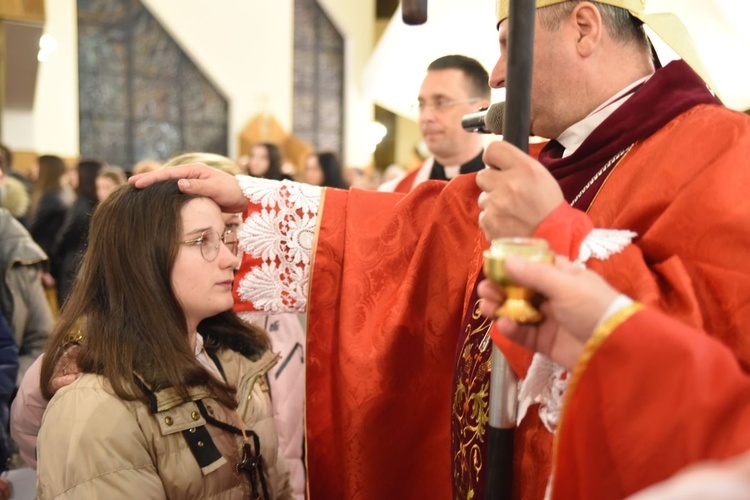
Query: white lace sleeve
546	381
279	232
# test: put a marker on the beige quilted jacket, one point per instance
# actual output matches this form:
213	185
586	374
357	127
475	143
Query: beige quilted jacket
94	445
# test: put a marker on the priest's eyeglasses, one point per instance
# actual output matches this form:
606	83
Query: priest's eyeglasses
441	103
209	242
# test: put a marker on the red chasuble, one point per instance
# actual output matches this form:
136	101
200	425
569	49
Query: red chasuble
682	191
393	336
655	397
648	114
386	300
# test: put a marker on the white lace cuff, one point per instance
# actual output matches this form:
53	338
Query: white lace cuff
603	243
546	381
278	232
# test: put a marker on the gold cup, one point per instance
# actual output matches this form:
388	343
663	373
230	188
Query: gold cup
518	304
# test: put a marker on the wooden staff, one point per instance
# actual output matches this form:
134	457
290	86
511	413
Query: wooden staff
503	382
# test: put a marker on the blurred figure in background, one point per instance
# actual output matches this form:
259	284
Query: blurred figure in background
8	375
324	169
14	197
6	164
265	161
72	237
71	175
22	298
108	180
213	160
50	201
144	166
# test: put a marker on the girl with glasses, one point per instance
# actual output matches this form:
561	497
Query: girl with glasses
172	401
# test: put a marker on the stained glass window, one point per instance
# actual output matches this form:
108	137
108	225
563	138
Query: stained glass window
141	97
318	78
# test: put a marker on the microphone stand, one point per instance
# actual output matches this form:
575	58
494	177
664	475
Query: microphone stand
503	382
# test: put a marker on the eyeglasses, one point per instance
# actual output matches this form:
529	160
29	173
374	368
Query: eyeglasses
441	104
209	242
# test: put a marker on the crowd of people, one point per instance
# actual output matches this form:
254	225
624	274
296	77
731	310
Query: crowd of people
178	365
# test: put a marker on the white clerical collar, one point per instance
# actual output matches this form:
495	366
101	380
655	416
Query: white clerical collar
451	172
573	136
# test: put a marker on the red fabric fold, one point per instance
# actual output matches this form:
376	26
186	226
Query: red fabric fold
565	229
656	397
387	295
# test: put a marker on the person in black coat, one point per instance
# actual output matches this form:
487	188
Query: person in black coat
50	202
71	240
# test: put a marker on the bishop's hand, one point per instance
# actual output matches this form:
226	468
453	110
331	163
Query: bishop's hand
517	192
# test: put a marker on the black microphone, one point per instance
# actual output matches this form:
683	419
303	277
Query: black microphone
486	121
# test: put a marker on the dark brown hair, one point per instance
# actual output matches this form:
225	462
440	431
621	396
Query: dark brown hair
88	170
131	319
333	175
476	76
51	172
274	161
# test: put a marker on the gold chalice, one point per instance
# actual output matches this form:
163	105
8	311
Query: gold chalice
518	304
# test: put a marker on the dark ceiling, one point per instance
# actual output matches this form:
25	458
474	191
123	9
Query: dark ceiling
385	8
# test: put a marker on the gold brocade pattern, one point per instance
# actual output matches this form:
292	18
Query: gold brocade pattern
470	410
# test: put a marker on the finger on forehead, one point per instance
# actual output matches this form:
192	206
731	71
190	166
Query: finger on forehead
503	155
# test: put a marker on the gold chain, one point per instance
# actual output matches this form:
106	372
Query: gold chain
600	172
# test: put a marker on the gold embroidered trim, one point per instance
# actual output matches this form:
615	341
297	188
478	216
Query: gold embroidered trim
592	346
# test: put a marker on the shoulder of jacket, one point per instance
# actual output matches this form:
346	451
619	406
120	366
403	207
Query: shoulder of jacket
90	388
17	245
230	358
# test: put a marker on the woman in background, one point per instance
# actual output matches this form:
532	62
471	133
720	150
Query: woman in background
265	161
324	169
50	201
109	179
71	240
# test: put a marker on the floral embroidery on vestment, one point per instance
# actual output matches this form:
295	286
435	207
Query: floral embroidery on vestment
279	232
